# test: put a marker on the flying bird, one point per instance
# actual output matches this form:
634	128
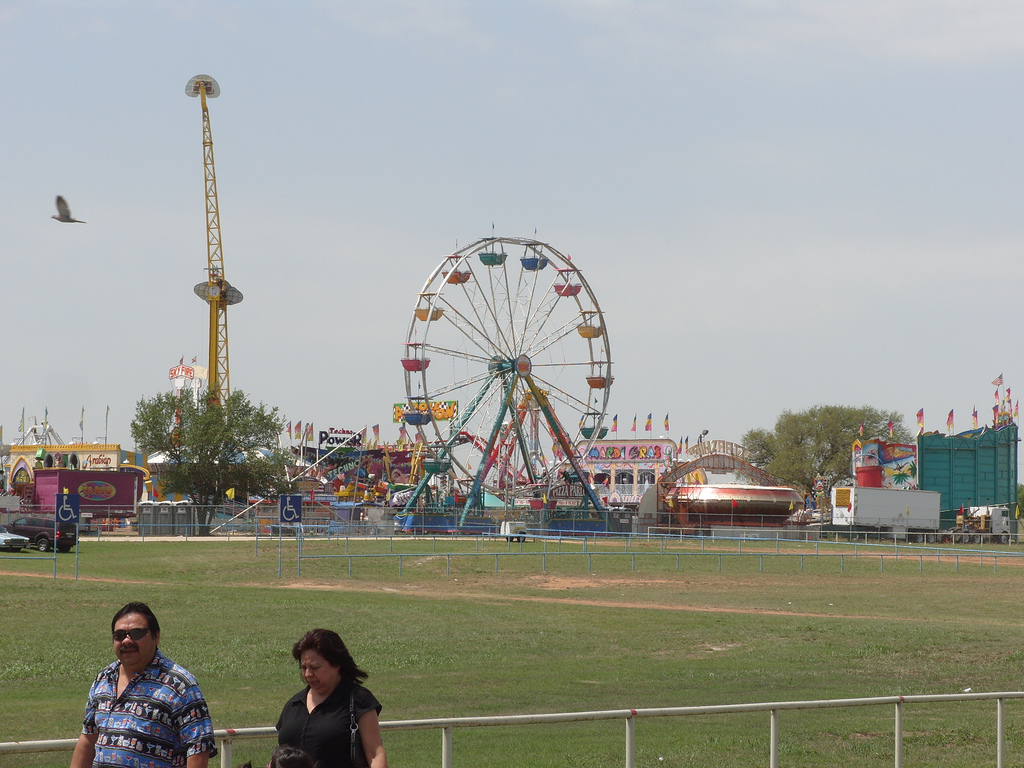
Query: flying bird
64	213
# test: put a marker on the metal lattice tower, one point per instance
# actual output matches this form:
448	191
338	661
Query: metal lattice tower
216	291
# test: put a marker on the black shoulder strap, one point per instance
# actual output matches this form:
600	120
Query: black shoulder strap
353	726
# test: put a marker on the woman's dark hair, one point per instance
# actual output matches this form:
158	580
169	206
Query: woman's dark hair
287	756
143	610
329	645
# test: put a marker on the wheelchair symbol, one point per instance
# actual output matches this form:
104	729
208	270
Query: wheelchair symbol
67	512
291	509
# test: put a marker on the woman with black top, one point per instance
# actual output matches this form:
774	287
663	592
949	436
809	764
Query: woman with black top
319	719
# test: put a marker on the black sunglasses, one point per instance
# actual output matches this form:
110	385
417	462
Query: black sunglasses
135	634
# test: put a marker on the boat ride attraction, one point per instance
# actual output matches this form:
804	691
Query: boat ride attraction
687	502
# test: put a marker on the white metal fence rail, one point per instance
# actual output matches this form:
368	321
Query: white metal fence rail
227	737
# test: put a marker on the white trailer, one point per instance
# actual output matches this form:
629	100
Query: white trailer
887	509
514	530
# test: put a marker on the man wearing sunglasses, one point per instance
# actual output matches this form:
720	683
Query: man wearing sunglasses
144	710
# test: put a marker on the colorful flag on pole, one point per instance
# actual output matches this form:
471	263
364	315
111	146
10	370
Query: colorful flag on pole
647	428
995	415
288	428
309	431
861	430
376	434
949	421
686	443
298	430
891	425
1016	410
615	423
974	418
403	436
920	422
633	428
996	395
998	381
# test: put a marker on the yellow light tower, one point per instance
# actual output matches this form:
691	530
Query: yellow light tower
216	291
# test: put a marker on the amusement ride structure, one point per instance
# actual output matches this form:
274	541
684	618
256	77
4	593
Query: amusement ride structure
507	377
216	290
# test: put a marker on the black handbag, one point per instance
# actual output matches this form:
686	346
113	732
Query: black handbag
356	752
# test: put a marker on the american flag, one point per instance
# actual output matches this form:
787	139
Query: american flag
998	381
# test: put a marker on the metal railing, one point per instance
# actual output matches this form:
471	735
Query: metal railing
608	548
227	737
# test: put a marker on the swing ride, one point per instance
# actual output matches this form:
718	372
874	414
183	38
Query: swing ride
508	329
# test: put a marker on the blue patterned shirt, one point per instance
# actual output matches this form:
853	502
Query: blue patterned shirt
159	720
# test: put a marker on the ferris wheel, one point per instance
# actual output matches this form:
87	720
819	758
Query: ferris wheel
507	368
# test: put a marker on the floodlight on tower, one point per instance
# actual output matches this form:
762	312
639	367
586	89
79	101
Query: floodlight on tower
216	291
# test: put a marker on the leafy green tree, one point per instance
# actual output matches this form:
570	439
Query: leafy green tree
818	441
212	448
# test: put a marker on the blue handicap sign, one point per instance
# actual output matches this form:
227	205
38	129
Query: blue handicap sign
66	507
290	508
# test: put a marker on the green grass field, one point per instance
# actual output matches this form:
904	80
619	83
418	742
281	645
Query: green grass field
504	629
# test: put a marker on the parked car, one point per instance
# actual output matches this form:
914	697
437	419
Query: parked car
12	542
40	532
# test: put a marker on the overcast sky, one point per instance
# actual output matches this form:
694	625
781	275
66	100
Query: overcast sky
776	204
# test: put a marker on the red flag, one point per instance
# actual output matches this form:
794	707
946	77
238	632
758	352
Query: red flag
890	427
920	422
949	421
861	428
